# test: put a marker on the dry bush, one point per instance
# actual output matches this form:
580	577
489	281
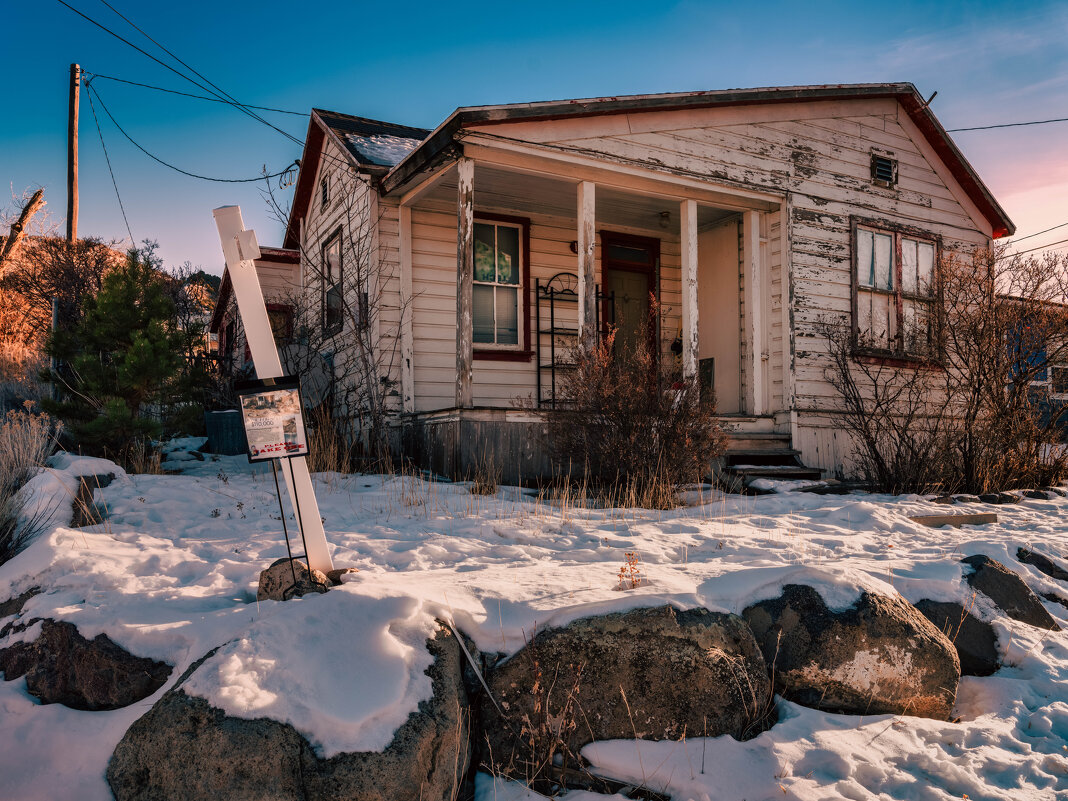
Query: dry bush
26	439
974	413
634	424
328	452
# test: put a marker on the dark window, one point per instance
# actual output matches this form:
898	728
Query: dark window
1060	380
324	190
333	276
883	170
281	319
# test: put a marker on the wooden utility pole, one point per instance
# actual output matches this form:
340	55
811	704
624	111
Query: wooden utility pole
18	229
72	154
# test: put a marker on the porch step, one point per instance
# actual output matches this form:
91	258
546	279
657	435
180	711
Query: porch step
788	471
762	457
753	455
749	442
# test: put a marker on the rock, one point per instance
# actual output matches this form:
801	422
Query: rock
336	576
999	498
1037	495
945	500
1043	563
12	606
62	667
1060	492
1008	592
974	639
654	673
1052	596
184	749
276	582
880	656
966	498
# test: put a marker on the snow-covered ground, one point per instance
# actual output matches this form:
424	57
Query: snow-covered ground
172	574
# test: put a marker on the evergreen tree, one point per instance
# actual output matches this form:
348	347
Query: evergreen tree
122	361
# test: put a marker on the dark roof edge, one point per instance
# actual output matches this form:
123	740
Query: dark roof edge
428	153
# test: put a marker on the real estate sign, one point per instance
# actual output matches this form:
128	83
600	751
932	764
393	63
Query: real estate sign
273	417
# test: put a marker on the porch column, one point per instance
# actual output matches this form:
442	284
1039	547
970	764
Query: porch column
587	286
406	331
754	309
688	235
465	273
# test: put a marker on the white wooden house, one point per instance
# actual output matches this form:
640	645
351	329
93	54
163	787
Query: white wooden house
749	214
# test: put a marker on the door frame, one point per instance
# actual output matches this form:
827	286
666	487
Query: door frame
651	270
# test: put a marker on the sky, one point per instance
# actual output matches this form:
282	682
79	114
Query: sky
414	63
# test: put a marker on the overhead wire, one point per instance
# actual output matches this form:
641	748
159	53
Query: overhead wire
1006	125
92	90
189	94
1038	233
107	158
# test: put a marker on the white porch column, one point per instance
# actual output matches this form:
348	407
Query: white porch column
465	274
406	333
587	285
754	310
688	223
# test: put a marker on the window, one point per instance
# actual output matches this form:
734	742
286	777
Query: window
1059	382
324	192
332	283
281	320
497	291
894	281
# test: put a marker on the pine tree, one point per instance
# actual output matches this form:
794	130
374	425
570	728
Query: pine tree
122	361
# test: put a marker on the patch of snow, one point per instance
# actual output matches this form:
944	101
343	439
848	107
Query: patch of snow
384	149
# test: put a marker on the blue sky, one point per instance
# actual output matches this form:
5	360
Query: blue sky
413	63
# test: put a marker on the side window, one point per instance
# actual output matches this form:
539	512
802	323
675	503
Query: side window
324	192
497	301
332	284
895	284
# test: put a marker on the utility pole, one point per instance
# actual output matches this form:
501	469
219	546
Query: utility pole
72	155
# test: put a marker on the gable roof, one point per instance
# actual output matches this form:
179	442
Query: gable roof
436	145
226	287
373	147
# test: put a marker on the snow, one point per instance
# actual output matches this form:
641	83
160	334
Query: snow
384	149
172	573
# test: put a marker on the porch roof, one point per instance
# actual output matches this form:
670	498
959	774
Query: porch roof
440	144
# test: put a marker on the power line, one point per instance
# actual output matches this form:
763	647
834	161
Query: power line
225	94
93	91
1054	228
188	94
182	75
100	133
1007	125
1040	247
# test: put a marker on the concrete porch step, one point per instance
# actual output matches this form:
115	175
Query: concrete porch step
795	471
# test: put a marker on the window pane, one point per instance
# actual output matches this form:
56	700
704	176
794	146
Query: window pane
1060	380
484	249
908	266
333	259
627	253
884	274
483	313
507	316
865	268
925	267
333	308
507	255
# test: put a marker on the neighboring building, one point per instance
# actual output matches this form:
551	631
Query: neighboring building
750	215
279	273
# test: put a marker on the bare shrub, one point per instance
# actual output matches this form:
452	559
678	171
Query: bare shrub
328	451
892	410
634	424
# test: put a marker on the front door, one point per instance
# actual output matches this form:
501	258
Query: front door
629	264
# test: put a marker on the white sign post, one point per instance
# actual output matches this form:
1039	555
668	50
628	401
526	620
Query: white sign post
240	249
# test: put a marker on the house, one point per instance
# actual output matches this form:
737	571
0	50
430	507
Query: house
279	273
472	257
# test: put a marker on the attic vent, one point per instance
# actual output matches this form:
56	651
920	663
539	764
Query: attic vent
883	170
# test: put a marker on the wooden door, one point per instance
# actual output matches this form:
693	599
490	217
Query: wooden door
629	265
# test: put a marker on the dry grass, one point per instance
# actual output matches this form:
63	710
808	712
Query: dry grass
26	439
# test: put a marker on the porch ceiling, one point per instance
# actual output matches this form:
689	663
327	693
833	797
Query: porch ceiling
528	194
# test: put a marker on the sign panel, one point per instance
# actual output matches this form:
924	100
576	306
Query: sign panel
274	418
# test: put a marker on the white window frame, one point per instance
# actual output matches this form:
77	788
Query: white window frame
520	345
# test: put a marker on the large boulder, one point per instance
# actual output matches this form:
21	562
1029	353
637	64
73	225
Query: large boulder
974	639
277	584
184	749
62	667
1008	592
880	656
654	673
1043	563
